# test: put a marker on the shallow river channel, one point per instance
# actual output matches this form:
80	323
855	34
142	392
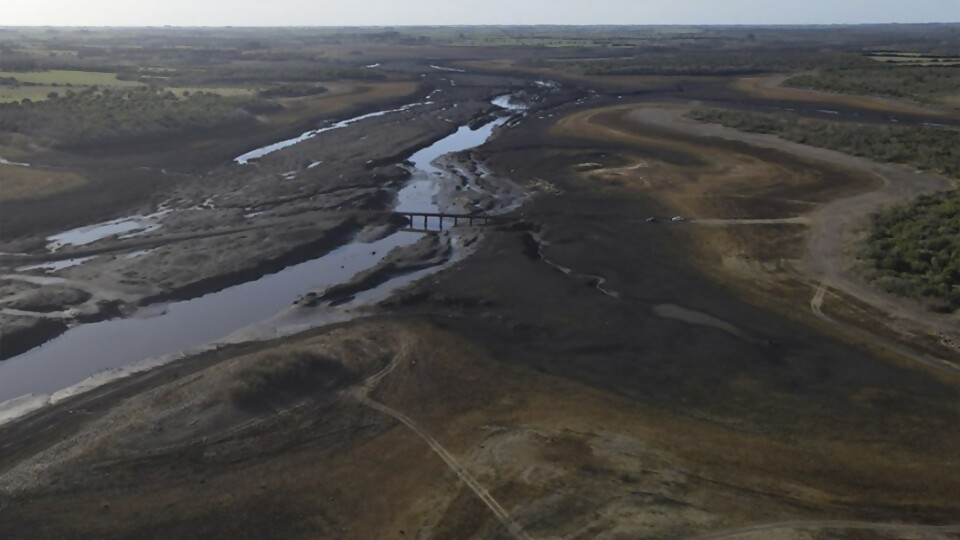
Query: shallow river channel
163	331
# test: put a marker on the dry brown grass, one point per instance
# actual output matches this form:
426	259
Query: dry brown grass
623	83
341	97
700	179
770	88
563	458
705	180
25	183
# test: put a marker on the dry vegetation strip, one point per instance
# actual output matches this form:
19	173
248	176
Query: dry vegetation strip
770	88
920	147
340	99
23	183
615	83
917	83
912	250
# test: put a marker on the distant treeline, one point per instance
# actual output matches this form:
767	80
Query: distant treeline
921	147
707	63
920	83
266	73
293	90
96	116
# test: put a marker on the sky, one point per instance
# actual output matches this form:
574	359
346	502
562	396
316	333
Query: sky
467	12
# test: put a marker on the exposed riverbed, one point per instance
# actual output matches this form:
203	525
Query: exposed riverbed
158	331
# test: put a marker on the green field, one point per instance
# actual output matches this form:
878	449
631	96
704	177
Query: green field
64	78
41	83
225	91
10	94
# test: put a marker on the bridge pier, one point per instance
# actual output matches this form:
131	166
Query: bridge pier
471	219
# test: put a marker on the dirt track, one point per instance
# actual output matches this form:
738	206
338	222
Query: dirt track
901	528
362	394
837	225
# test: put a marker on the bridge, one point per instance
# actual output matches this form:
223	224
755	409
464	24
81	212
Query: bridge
437	221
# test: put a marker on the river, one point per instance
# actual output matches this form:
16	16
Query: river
158	331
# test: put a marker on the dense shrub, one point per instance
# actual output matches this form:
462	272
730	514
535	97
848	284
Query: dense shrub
922	147
107	115
912	250
915	250
293	90
281	377
925	84
704	63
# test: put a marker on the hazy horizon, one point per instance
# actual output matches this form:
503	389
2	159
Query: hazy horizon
278	13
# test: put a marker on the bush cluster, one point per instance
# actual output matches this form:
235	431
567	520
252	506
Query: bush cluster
705	63
919	83
95	116
914	250
921	147
278	378
293	90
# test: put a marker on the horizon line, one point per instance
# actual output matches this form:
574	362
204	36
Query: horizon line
491	25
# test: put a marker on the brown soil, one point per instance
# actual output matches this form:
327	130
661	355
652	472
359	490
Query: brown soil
780	215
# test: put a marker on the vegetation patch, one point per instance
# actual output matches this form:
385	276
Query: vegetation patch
271	73
285	376
293	90
926	84
67	78
17	86
98	115
921	147
707	63
914	59
914	250
24	183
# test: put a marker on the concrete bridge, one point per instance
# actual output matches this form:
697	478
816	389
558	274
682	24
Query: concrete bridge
436	221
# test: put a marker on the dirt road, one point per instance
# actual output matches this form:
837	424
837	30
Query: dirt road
820	525
836	225
362	395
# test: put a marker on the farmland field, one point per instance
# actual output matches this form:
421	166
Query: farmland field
68	78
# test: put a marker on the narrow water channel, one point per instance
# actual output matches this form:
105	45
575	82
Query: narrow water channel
89	349
271	148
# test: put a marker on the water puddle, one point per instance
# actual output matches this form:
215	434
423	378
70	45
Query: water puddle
36	280
136	254
271	148
448	69
56	265
127	227
14	163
